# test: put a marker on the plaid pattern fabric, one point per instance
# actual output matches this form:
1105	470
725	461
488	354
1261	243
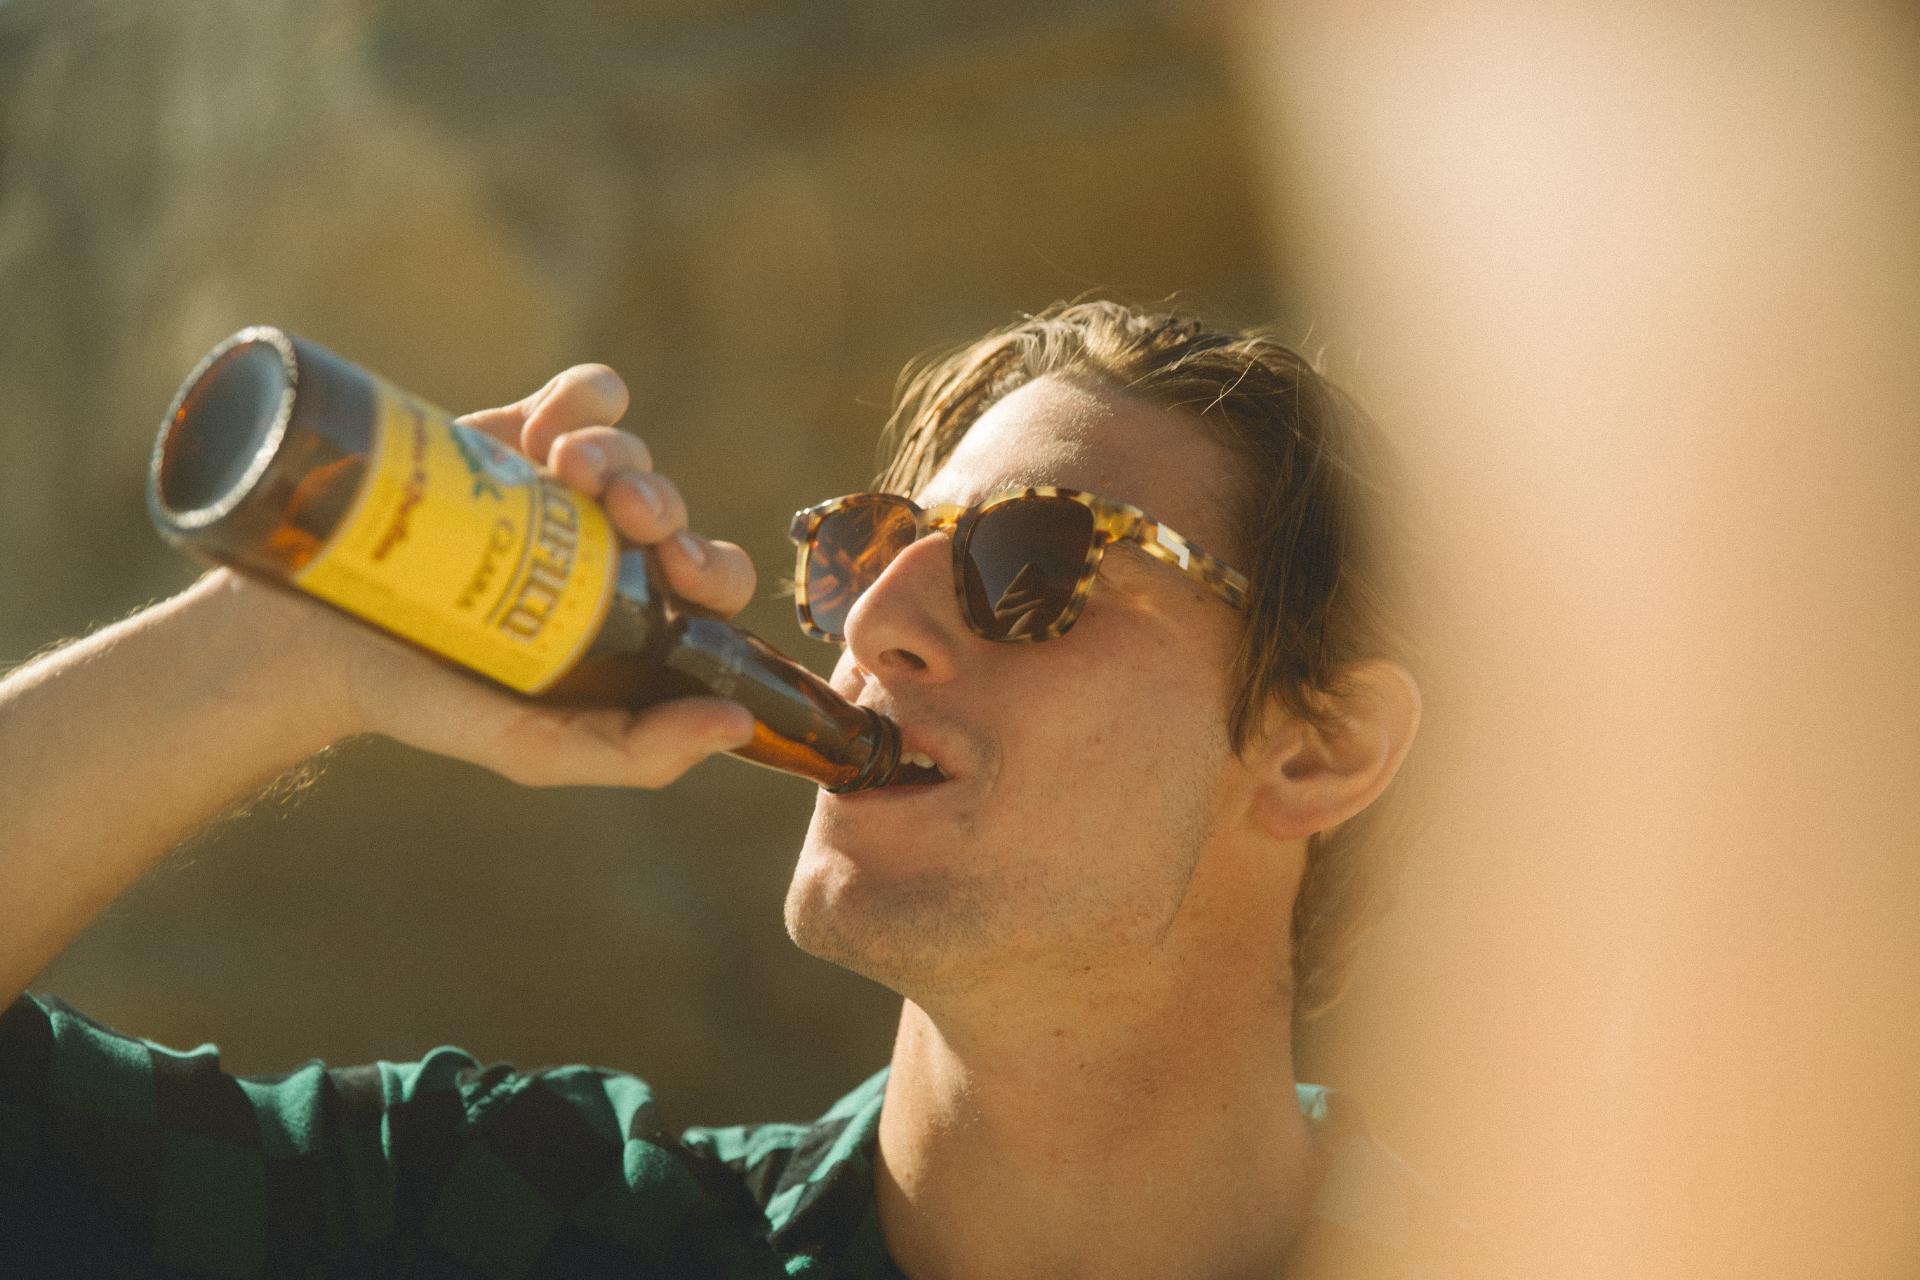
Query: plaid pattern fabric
122	1158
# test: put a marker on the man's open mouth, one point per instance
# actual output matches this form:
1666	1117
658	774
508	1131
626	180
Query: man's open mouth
916	769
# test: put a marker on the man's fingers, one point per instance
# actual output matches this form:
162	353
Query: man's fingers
586	395
605	746
429	704
583	396
664	742
645	506
588	458
566	427
505	422
704	571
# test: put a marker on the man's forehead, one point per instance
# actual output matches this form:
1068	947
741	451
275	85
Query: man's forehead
1057	432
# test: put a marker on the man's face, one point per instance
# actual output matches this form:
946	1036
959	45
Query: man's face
1090	773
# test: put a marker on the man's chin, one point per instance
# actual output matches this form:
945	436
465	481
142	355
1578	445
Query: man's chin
835	910
909	932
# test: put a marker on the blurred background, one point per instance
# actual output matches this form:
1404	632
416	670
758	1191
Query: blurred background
757	212
1635	285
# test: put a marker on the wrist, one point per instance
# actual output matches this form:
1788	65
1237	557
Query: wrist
273	654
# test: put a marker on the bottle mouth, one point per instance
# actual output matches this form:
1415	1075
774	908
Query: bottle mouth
223	429
880	766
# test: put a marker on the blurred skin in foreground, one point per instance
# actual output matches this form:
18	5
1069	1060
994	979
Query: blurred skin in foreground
1638	288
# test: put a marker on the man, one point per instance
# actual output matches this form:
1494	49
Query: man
1142	864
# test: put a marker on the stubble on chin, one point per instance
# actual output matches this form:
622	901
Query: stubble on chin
912	934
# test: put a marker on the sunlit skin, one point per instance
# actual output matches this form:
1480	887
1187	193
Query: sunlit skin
1089	922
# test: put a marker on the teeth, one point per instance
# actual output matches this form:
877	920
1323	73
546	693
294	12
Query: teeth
920	758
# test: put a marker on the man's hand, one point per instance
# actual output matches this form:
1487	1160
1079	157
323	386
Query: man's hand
118	746
386	686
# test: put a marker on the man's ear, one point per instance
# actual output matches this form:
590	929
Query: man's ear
1312	777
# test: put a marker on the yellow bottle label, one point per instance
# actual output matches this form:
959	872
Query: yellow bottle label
466	548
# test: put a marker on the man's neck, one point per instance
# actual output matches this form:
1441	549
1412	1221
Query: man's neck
1160	1135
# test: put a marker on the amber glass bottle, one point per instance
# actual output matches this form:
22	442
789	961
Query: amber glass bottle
285	461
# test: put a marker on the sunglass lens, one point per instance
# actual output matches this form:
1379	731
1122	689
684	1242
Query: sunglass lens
851	548
1023	560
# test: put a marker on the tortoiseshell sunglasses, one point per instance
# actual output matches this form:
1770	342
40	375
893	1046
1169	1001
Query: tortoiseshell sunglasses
1023	559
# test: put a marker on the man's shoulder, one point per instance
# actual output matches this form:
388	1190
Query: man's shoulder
120	1151
777	1156
812	1183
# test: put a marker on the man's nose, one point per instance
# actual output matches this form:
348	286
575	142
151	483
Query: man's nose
908	623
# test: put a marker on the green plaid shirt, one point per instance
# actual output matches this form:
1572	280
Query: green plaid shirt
120	1158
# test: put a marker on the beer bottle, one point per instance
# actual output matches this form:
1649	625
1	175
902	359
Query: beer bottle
285	461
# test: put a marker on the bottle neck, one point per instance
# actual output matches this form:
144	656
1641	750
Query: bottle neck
802	726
